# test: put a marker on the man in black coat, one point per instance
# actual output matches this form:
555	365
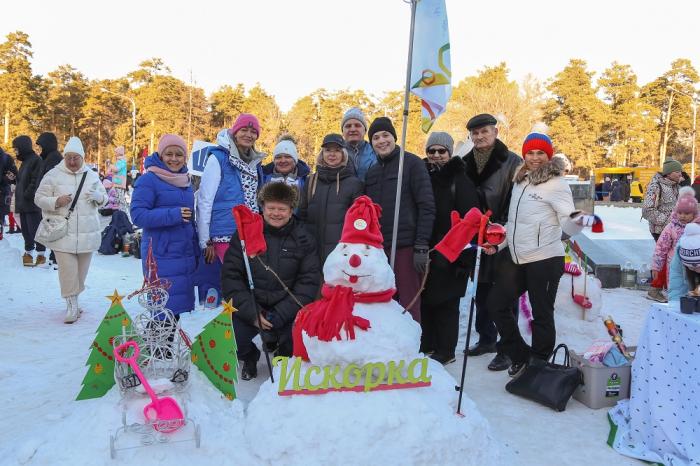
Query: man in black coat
491	166
291	254
28	179
49	151
416	212
8	176
50	157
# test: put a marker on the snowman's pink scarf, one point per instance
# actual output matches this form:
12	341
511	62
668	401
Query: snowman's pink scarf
326	317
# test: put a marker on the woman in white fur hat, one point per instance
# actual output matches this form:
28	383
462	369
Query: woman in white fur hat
55	196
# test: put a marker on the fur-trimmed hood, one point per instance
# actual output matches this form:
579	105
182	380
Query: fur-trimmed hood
555	167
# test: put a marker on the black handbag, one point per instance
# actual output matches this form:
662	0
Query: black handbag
548	383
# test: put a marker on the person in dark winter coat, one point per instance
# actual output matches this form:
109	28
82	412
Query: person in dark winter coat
416	212
291	254
162	204
50	157
616	191
685	179
491	166
446	282
8	177
28	179
625	186
49	151
607	188
328	194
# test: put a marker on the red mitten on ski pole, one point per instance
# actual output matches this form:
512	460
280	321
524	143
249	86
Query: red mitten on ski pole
250	230
461	233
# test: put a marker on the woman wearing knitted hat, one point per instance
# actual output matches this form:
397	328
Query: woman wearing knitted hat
286	167
162	204
541	207
55	196
685	211
447	282
328	194
661	196
231	177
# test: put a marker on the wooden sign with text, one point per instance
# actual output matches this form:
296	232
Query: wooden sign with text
374	376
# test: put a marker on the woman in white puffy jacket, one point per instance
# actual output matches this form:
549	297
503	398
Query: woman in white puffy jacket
541	207
74	250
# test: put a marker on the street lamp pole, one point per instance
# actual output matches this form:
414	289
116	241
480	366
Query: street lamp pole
133	122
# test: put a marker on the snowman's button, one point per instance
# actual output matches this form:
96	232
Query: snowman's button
360	224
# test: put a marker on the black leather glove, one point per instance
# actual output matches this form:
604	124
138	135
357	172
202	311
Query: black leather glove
420	258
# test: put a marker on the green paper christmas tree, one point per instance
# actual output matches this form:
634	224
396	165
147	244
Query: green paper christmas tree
214	352
100	374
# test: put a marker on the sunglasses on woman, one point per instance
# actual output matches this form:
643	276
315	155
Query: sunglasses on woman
437	151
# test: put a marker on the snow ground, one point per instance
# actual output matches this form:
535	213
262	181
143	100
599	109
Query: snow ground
43	365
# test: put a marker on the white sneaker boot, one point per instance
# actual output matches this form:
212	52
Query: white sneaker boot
72	312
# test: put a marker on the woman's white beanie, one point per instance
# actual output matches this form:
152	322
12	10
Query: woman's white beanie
74	146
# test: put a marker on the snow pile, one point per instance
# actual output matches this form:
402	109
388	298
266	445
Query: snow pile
10	258
408	426
586	321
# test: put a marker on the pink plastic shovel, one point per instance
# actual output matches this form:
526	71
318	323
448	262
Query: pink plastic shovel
164	413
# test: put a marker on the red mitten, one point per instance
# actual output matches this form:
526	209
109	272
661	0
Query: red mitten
461	234
250	230
583	301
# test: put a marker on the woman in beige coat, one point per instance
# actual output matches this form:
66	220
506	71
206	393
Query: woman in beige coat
54	196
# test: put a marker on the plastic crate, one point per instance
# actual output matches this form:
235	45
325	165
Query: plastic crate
602	386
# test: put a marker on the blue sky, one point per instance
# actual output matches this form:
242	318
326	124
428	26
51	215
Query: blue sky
293	48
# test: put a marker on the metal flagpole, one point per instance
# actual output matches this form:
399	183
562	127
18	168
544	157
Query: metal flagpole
397	204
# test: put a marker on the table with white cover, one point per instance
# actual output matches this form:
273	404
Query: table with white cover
661	420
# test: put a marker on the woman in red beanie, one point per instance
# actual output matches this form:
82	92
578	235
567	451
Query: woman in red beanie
541	207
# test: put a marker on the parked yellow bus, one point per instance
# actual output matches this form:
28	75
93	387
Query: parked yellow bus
640	178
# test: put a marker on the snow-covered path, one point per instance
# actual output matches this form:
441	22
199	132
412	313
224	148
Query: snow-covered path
42	366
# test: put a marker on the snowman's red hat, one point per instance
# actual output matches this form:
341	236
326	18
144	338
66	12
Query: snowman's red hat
362	223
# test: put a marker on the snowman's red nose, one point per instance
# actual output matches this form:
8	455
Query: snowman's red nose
355	260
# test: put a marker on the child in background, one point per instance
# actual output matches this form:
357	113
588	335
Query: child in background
685	212
113	202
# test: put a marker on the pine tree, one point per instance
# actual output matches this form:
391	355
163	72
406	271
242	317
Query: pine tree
576	115
99	377
264	107
214	352
226	105
629	131
20	91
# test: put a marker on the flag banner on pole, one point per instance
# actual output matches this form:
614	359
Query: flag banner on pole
430	71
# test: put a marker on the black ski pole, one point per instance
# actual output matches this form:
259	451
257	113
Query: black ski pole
251	287
475	284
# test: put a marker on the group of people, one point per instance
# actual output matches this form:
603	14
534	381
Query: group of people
52	186
670	206
616	189
303	212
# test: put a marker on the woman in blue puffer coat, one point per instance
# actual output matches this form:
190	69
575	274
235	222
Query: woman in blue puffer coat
162	204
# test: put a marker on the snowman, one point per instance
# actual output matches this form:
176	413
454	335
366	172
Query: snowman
357	321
